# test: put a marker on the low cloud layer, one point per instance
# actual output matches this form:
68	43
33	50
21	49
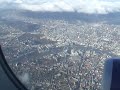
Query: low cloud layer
84	6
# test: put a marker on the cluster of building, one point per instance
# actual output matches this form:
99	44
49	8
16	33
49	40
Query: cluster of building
61	55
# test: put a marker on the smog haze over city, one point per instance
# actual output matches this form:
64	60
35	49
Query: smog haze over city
59	44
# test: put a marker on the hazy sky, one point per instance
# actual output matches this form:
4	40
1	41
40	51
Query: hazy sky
86	6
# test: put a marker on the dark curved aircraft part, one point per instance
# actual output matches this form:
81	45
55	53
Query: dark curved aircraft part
8	80
111	77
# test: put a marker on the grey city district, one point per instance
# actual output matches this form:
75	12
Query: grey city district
58	52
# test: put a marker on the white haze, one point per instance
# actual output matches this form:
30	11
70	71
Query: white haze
84	6
24	78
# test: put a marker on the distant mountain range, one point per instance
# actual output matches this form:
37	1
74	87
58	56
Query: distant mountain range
111	18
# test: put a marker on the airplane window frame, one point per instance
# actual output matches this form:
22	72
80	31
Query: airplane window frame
7	70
